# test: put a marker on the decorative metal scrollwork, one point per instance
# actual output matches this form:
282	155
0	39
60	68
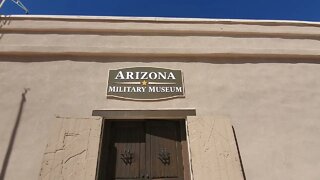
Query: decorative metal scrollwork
127	157
164	156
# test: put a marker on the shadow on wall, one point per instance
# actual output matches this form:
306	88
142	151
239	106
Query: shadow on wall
150	58
13	135
3	21
239	154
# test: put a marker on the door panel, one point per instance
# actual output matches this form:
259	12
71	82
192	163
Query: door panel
127	150
165	157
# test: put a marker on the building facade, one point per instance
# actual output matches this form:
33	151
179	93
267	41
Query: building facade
249	107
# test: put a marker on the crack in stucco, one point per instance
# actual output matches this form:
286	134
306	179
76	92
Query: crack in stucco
73	156
69	149
71	134
88	142
209	138
55	151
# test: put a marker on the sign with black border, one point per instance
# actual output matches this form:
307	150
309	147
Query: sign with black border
145	84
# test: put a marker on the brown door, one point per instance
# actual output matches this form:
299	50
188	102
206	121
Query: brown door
164	150
126	154
143	150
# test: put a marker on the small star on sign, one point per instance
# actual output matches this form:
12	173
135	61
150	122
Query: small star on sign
144	83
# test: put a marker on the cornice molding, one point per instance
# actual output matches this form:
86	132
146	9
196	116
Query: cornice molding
140	37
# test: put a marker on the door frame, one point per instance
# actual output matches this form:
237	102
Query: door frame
157	114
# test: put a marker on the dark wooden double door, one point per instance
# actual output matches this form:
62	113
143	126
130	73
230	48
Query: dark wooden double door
143	150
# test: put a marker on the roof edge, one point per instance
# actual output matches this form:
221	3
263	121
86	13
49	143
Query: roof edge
161	20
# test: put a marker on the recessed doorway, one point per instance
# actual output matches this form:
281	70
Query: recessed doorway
144	149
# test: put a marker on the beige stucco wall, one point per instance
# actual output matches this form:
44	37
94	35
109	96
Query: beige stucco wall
263	76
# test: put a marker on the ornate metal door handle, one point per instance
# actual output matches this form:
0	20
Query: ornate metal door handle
164	156
127	156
